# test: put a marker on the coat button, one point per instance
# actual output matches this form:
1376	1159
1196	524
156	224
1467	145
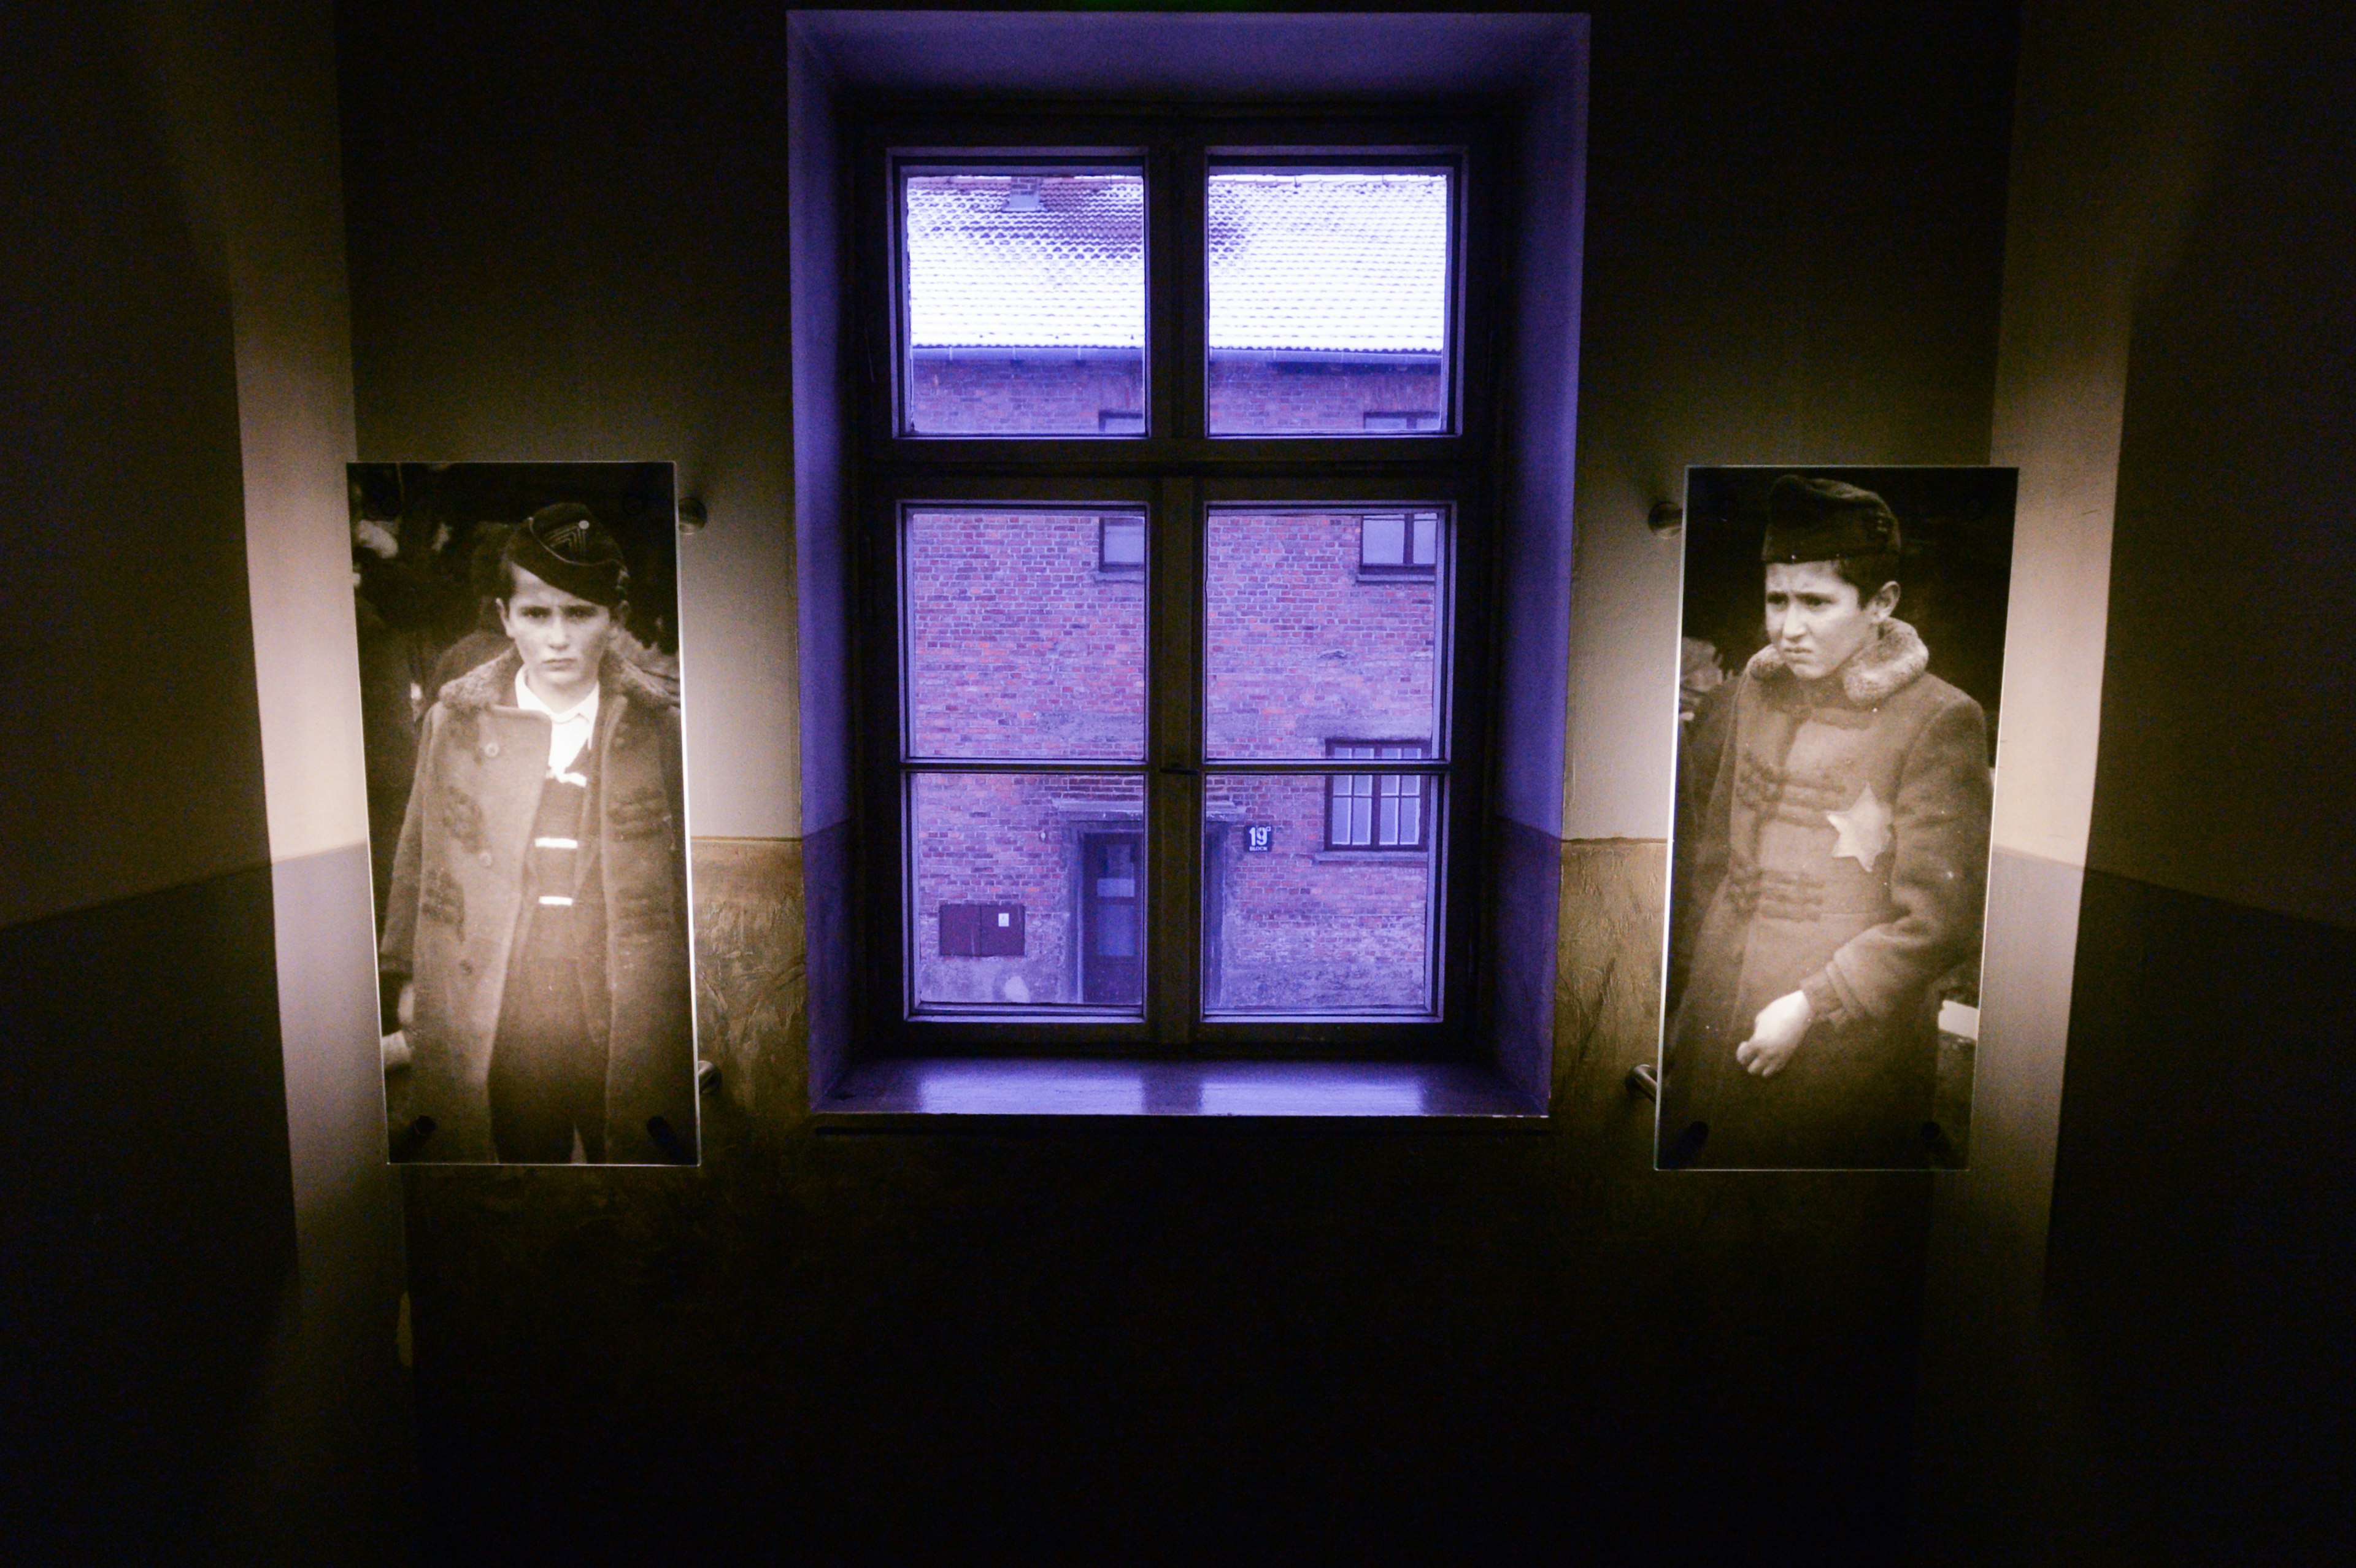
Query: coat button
485	856
490	747
465	966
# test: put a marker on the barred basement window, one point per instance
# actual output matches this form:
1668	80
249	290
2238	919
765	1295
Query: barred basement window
1166	388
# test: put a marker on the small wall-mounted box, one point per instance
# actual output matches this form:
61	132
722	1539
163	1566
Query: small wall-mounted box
982	931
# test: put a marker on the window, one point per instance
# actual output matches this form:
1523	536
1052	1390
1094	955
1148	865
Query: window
863	84
1023	302
1169	393
1373	811
1328	290
1120	546
1399	544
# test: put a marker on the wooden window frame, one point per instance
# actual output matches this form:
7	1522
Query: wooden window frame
1106	567
1177	473
1406	569
1422	840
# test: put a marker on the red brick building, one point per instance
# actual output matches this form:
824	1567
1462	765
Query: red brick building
1026	630
1328	298
1026	639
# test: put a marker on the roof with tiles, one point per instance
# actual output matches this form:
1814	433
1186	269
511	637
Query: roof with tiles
1322	263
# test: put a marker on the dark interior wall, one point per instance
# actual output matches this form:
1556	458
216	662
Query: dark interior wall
148	1221
1198	1342
1838	306
2202	1262
566	233
124	551
2232	549
1795	250
2202	1266
146	1207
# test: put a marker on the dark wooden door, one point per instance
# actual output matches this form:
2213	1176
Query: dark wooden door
1112	919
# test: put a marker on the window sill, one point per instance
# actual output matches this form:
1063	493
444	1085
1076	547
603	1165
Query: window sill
927	1091
1371	857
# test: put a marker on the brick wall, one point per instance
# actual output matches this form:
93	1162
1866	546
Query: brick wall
1044	395
1010	838
1277	397
1300	927
1048	393
1019	643
1300	650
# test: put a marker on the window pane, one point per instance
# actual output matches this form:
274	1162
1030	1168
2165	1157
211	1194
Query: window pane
1122	542
1328	301
1293	927
1027	637
1025	303
1351	824
1029	890
1401	543
1373	811
1301	647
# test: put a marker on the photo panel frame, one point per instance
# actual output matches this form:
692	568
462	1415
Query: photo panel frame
1840	670
520	687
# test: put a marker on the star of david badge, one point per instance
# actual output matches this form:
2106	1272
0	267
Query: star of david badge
1864	828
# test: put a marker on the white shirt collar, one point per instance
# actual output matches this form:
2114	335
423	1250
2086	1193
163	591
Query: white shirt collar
529	700
568	732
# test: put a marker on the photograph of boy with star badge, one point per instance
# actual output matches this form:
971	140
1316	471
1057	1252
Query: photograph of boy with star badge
1841	657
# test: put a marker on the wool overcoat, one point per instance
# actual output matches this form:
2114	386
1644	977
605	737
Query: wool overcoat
457	889
1843	854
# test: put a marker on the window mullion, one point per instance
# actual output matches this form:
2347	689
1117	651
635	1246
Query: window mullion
1174	787
1181	301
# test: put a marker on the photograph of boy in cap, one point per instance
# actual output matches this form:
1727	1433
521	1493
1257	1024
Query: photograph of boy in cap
1836	871
537	921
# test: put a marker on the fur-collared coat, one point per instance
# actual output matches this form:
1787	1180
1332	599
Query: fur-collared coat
1843	853
457	887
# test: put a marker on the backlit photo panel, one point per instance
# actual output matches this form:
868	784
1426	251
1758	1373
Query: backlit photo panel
1840	661
520	692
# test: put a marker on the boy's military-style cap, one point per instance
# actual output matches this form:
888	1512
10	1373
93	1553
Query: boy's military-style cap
1823	519
565	546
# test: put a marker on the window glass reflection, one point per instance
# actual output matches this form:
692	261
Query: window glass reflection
1328	295
1025	303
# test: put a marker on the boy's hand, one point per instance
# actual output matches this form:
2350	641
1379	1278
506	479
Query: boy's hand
1775	1034
376	539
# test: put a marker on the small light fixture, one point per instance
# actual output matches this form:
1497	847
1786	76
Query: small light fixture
1023	196
693	516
